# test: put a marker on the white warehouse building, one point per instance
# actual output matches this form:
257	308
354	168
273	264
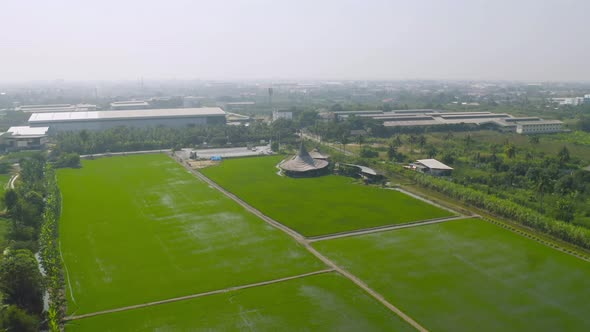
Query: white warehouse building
539	127
100	120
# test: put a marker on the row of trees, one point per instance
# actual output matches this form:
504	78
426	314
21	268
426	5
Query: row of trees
21	282
507	209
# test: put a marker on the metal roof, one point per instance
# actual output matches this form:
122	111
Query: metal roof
433	163
541	122
27	131
127	114
364	169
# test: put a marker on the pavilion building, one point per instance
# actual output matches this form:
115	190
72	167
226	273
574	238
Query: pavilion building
303	165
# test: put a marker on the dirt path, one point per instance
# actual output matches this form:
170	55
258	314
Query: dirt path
193	296
11	181
305	243
384	228
428	201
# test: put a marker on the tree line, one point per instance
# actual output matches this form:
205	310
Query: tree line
33	210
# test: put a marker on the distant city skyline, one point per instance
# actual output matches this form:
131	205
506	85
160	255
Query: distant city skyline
300	40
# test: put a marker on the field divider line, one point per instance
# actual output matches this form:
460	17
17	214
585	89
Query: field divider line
424	199
386	228
247	206
67	273
194	296
305	243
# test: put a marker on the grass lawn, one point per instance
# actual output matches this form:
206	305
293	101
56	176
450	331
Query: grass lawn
141	228
470	275
317	206
326	302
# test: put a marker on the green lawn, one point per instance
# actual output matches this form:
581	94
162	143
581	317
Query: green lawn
326	302
470	275
317	206
141	228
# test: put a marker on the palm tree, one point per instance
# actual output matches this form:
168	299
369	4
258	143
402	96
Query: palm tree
542	187
412	140
510	151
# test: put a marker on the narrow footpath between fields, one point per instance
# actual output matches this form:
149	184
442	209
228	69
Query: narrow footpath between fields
305	243
383	228
193	296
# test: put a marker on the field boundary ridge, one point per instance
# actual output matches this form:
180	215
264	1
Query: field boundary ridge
386	228
197	295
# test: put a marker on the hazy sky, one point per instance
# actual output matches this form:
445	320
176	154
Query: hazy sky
298	39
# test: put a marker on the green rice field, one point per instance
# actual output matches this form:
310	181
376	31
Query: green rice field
325	302
317	206
141	228
470	275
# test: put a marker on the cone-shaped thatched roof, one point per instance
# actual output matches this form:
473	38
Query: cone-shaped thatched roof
303	162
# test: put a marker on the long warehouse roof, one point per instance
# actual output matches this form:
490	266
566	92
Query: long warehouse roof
123	115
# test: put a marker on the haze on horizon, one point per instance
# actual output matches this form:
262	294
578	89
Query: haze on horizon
304	39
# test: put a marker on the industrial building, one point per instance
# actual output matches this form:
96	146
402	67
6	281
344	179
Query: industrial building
56	108
130	105
539	127
430	117
100	120
287	115
24	137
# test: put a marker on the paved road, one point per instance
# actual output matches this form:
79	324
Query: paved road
334	146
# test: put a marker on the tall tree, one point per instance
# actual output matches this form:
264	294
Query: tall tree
391	151
21	281
564	155
510	150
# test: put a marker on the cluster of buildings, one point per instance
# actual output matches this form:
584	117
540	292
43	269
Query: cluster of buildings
573	101
433	117
40	124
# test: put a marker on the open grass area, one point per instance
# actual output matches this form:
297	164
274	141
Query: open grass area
470	275
317	206
141	228
326	302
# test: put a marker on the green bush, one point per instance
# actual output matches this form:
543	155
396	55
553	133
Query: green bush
13	318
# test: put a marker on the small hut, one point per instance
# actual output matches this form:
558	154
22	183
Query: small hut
303	165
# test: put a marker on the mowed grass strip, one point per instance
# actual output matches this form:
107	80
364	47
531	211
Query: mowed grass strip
141	228
470	275
327	302
317	206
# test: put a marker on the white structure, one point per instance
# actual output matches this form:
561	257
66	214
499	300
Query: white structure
99	120
539	127
282	115
431	166
24	137
130	105
574	101
56	108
